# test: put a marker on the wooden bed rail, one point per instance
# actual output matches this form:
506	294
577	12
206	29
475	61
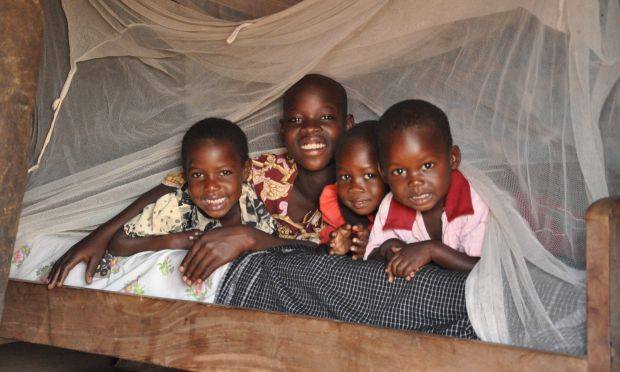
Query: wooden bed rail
603	266
191	335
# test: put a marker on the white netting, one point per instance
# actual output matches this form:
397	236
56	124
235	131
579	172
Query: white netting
530	87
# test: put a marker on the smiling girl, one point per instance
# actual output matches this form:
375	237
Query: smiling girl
215	160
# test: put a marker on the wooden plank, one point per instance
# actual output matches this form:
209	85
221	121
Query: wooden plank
191	335
603	245
21	29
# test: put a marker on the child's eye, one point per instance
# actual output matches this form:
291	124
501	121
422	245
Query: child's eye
344	177
370	176
296	120
225	172
327	117
427	166
195	174
398	171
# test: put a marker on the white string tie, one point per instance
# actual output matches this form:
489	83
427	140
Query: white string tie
231	39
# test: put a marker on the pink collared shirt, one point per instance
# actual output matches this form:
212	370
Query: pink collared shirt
463	221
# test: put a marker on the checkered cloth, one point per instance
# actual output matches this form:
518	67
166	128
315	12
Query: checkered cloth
301	280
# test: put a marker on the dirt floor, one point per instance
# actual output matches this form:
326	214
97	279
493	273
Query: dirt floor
21	356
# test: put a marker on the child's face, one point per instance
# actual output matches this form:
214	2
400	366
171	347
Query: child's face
214	175
418	167
311	125
360	187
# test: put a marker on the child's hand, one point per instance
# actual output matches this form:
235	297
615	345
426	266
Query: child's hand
212	250
359	240
89	250
408	260
340	240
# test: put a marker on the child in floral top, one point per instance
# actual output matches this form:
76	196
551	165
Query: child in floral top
215	161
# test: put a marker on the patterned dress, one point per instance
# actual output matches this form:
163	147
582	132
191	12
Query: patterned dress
272	177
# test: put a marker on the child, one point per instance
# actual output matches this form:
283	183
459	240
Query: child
215	160
432	214
349	205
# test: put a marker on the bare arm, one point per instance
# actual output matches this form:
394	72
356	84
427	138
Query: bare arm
123	245
92	248
452	259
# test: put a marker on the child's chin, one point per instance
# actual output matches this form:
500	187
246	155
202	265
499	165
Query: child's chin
362	212
217	216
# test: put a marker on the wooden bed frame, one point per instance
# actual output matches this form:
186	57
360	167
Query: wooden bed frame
191	335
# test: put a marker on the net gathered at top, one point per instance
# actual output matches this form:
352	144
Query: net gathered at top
530	88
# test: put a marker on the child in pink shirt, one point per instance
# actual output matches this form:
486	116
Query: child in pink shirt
432	213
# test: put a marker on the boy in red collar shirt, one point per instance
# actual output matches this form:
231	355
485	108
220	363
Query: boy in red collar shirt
432	213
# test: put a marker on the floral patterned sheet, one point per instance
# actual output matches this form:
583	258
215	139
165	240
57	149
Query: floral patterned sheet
153	274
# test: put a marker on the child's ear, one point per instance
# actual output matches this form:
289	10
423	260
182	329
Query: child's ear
455	157
247	170
348	122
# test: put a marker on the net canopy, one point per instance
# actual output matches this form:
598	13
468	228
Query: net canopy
530	87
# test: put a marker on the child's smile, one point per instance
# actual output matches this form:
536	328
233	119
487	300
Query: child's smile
418	167
214	175
311	126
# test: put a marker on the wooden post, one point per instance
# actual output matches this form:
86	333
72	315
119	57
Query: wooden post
603	263
21	29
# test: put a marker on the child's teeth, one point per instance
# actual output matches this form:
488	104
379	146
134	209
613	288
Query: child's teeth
313	146
215	201
423	196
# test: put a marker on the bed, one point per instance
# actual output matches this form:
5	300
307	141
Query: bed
190	335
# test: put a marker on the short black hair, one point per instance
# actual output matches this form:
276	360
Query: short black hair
366	131
215	129
322	81
411	113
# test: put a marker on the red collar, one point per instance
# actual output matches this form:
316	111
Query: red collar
458	203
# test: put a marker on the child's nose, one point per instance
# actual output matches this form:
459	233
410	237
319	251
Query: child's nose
415	180
356	185
211	184
311	125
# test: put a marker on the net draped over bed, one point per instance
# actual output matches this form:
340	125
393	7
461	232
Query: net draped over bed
530	87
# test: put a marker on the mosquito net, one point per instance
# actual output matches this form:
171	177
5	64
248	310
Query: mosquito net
530	88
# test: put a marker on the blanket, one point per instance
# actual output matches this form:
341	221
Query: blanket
301	280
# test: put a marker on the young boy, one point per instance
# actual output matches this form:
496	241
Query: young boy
432	214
